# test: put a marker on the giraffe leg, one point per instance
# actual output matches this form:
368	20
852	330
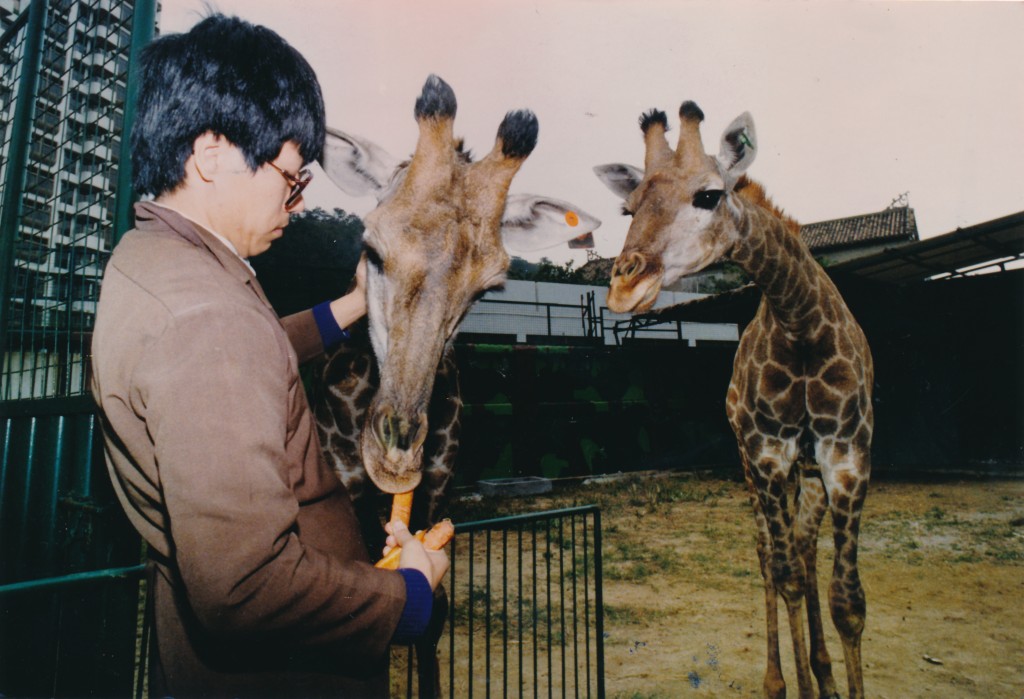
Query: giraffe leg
787	568
847	485
811	506
774	682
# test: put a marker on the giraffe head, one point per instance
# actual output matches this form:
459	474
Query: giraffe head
682	203
435	243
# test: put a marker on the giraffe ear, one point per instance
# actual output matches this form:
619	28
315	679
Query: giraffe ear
533	223
738	149
357	166
621	179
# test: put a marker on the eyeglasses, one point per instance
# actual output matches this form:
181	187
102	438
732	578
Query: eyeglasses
297	182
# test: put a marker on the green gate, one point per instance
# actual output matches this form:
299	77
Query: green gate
64	201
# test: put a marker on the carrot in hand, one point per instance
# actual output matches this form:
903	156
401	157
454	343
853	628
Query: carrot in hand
439	535
433	540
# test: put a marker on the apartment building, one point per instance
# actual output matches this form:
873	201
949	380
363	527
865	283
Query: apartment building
66	215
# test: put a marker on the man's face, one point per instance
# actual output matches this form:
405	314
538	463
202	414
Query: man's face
252	205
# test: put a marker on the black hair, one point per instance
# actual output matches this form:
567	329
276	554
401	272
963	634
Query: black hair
437	100
651	117
229	77
689	111
518	133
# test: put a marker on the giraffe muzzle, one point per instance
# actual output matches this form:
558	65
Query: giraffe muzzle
392	450
635	283
398	433
629	267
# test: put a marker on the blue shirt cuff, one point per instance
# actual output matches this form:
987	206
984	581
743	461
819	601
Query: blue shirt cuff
419	603
330	332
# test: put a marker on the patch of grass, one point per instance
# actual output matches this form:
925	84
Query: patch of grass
631	615
637	562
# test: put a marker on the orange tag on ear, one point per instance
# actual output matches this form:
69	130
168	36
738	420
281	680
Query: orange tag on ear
572	219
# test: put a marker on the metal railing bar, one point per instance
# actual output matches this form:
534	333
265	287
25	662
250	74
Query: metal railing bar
536	608
519	602
451	625
575	602
561	594
472	594
504	613
487	614
586	602
547	572
479	525
74	579
599	602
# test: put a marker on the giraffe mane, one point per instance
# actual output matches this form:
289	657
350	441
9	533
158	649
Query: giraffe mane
465	155
755	193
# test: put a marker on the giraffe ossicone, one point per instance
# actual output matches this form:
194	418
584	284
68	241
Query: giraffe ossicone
799	400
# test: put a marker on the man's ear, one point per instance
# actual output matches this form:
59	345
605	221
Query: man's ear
357	166
209	151
620	178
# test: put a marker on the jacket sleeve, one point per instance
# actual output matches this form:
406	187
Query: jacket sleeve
215	389
304	334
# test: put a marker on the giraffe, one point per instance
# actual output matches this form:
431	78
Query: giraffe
345	382
800	393
435	243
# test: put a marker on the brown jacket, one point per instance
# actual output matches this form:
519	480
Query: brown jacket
263	587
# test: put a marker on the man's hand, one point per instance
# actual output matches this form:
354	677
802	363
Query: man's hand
433	564
352	306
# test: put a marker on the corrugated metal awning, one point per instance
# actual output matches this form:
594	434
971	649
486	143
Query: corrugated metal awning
966	250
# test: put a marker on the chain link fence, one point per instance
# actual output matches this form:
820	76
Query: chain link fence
65	194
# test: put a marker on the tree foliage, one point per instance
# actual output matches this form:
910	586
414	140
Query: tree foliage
548	271
314	261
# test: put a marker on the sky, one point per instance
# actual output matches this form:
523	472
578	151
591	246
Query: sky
855	102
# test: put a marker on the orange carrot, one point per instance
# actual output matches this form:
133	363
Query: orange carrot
401	507
439	535
433	540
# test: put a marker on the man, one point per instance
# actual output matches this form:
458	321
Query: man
262	584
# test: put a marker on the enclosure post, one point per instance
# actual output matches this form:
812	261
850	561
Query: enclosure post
17	157
143	23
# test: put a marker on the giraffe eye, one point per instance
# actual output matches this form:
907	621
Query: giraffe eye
707	198
373	257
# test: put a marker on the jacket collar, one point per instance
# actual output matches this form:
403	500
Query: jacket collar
152	217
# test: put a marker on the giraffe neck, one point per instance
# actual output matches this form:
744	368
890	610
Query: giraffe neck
780	264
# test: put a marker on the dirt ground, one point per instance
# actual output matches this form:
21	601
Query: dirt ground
942	565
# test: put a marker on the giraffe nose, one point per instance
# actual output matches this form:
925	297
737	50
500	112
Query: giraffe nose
629	266
395	432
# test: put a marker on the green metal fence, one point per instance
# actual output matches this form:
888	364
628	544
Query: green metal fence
65	81
525	619
65	195
527	613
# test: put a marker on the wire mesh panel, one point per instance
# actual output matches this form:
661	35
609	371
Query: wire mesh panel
59	199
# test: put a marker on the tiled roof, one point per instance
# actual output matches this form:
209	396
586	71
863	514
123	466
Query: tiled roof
895	225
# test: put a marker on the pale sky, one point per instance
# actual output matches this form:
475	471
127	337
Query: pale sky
855	103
